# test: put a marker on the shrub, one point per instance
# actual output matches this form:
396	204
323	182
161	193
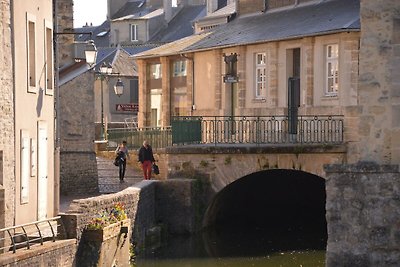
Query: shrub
105	218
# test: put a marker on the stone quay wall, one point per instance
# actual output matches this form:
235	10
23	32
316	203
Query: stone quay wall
60	253
149	206
363	215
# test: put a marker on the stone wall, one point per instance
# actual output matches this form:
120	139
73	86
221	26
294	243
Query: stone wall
64	11
363	215
60	253
78	173
139	206
180	205
7	155
78	160
379	82
148	205
223	165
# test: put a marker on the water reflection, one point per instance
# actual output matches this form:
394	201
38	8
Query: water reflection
310	258
258	247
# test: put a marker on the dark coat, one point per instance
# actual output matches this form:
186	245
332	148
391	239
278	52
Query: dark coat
146	154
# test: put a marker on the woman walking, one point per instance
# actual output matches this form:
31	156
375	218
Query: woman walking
122	153
146	158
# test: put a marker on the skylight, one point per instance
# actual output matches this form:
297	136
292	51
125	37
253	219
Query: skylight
101	34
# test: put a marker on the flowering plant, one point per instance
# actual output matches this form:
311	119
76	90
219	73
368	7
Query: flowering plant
105	218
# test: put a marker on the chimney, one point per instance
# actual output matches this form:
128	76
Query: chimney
65	24
244	7
212	6
167	10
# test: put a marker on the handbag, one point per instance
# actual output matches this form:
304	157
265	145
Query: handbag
155	168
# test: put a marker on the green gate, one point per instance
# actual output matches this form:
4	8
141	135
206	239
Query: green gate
186	130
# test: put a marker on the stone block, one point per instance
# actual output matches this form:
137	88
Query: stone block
396	116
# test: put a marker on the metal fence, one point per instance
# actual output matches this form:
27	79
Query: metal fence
158	137
235	130
257	130
30	234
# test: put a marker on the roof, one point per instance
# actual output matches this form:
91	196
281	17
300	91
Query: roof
311	20
136	49
181	25
145	14
100	34
131	8
320	18
173	48
123	64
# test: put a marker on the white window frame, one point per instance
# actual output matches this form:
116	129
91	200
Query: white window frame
49	57
155	71
179	68
31	88
332	60
260	75
134	32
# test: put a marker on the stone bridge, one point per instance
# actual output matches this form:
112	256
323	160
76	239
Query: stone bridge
223	165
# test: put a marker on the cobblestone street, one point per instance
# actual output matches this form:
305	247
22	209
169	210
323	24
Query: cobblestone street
108	181
108	176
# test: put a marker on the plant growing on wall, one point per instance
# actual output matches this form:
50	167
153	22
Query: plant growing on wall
105	217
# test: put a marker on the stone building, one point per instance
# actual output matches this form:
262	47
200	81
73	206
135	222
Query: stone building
27	118
348	69
7	122
268	48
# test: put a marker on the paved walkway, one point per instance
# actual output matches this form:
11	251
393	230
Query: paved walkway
108	181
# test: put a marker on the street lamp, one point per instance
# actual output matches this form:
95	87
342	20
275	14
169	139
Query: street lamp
90	53
104	72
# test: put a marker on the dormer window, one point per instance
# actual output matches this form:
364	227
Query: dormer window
134	32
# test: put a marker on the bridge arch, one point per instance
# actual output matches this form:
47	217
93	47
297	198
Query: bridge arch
226	164
279	199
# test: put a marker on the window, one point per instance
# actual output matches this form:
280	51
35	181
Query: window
134	94
49	58
260	78
31	52
180	102
332	70
154	71
179	68
134	33
116	36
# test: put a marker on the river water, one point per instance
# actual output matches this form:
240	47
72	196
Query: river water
238	248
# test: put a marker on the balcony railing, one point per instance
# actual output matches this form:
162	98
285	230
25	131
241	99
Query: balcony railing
257	130
235	130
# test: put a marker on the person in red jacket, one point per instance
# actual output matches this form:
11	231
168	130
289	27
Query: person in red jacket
146	158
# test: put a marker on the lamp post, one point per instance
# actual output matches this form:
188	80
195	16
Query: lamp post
105	71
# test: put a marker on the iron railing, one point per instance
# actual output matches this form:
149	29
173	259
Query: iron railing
158	137
235	130
257	130
27	235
